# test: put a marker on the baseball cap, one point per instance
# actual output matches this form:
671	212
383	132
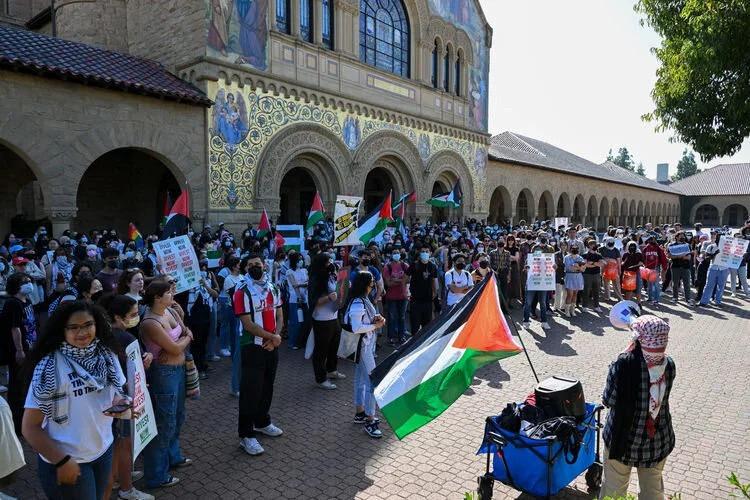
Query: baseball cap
18	261
15	248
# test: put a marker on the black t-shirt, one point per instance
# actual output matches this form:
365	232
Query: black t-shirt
592	257
124	338
422	276
16	314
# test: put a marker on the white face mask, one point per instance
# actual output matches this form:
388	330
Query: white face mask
27	288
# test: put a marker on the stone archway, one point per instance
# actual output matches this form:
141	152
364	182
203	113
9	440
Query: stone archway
101	200
545	208
604	217
399	152
624	213
615	212
306	145
525	207
449	166
592	213
707	214
21	195
501	208
734	215
443	184
563	206
579	210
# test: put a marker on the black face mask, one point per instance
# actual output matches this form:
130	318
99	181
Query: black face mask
112	264
574	250
460	266
543	242
96	296
365	262
256	272
631	250
484	264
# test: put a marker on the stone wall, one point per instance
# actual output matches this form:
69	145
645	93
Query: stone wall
61	128
102	23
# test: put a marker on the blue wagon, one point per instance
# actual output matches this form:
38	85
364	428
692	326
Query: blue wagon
541	467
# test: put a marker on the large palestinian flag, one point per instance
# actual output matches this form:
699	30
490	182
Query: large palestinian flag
317	213
426	375
376	221
178	220
448	200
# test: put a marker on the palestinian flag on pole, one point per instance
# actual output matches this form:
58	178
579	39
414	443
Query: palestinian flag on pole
420	380
135	236
375	223
264	228
398	215
448	200
178	220
214	258
317	213
399	209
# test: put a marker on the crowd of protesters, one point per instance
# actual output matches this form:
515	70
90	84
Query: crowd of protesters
72	303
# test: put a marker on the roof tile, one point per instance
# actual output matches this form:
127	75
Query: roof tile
728	179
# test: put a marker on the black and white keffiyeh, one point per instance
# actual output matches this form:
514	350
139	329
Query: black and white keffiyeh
95	365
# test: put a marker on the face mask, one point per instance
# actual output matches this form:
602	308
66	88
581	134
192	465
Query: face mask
132	322
459	266
574	250
112	264
2	267
300	264
631	249
365	262
484	264
396	257
91	253
543	241
129	254
96	295
424	256
480	249
256	272
27	288
610	245
61	259
84	240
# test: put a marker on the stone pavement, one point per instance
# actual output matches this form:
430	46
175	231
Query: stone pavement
322	455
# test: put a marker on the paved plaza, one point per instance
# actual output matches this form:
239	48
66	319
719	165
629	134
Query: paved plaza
322	455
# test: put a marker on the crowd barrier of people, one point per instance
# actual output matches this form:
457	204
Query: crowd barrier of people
72	303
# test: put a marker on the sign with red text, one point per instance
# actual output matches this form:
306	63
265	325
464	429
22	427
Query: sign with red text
144	426
541	272
731	251
176	257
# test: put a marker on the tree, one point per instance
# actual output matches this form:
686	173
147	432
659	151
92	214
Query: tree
623	159
641	171
702	91
686	166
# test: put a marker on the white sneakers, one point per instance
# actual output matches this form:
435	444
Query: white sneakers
225	353
545	326
134	494
251	446
526	324
327	385
336	375
270	430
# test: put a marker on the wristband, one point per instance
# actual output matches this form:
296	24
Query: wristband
62	462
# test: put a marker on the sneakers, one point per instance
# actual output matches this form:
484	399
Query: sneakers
598	309
545	326
251	446
526	324
134	494
336	376
327	385
270	430
224	353
136	475
214	358
691	303
371	428
361	418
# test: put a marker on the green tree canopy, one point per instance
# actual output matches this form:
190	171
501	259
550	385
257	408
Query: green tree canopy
702	91
640	170
623	159
686	166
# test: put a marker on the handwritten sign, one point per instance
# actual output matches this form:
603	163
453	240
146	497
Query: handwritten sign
177	258
541	273
345	220
731	251
679	250
144	427
561	221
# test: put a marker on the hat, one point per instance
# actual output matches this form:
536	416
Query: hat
15	248
19	261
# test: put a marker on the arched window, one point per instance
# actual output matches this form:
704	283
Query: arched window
306	20
459	62
328	23
447	70
435	62
282	16
384	35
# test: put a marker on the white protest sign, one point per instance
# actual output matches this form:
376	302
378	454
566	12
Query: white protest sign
144	427
731	251
177	258
560	221
541	272
345	220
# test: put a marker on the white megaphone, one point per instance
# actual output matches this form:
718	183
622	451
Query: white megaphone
623	314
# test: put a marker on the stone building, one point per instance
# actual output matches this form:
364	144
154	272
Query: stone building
256	104
717	196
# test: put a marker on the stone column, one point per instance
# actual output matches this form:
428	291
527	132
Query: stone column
317	22
294	17
62	219
272	15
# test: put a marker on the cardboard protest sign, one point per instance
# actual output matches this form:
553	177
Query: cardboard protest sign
731	251
144	426
177	258
345	220
541	272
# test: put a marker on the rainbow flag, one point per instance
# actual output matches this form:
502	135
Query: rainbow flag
135	235
421	379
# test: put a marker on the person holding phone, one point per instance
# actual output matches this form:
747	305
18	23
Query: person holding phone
77	379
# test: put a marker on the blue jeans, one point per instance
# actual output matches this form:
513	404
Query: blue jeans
236	351
654	289
167	387
91	484
226	321
363	390
716	278
294	325
541	297
396	319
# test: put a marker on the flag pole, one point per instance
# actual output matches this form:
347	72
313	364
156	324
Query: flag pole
518	334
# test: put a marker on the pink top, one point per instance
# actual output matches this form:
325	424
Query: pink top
154	348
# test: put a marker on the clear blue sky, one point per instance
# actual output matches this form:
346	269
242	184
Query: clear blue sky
578	74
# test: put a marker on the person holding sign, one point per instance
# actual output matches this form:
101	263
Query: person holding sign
716	278
123	314
679	255
574	265
76	388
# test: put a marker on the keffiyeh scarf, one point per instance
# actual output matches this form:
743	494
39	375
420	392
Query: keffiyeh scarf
653	335
95	366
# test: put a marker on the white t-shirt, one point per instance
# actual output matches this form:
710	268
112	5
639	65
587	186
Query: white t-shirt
329	310
460	279
300	278
230	281
11	453
88	432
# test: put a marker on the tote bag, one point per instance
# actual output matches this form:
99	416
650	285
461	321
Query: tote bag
629	281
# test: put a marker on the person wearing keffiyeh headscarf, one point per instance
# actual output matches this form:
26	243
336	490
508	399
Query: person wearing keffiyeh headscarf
77	379
638	431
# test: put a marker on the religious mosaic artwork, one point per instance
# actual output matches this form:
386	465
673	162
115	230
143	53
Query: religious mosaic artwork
238	31
464	14
244	121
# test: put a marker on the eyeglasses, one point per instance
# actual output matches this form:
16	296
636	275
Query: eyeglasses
172	281
77	328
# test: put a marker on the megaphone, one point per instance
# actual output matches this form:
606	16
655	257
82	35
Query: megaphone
623	314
